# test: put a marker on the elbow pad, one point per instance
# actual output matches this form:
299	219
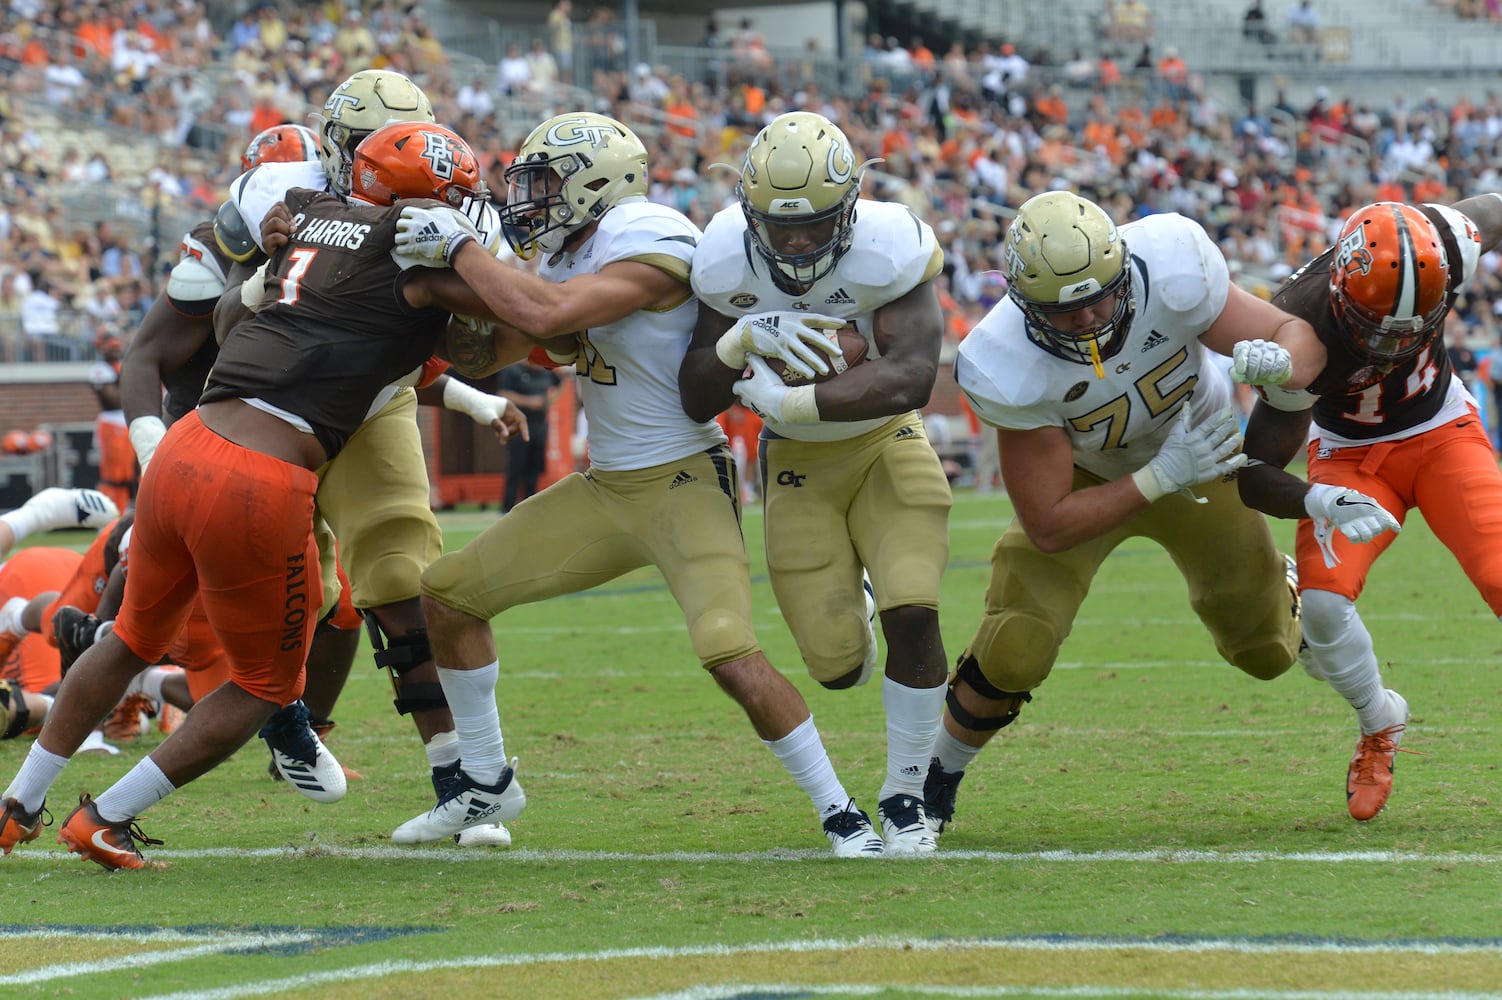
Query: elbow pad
233	235
194	280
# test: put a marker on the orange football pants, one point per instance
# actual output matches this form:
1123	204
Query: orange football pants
235	527
1449	473
117	461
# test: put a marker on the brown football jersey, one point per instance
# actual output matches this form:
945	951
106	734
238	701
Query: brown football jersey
336	328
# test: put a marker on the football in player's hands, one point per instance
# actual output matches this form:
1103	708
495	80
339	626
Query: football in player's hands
853	349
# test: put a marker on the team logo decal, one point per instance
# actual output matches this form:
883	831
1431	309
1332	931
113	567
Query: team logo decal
743	300
1076	391
574	131
841	164
1352	256
439	154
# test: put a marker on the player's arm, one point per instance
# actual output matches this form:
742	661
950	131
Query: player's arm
1485	210
909	333
164	342
1037	466
109	395
1273	438
1247	318
476	343
704	380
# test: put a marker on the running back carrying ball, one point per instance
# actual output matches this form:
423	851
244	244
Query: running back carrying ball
853	350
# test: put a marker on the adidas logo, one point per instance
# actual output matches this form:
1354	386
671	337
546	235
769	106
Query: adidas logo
839	298
682	479
1154	339
904	432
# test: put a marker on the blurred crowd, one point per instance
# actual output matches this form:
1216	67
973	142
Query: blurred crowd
960	136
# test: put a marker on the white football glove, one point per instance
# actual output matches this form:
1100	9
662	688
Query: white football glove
1193	455
433	235
772	399
482	407
145	434
253	289
799	340
1358	516
1260	362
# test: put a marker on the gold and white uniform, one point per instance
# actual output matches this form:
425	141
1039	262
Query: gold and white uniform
842	495
1116	424
661	489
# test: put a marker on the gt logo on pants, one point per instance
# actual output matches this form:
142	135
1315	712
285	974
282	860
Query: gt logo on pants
787	477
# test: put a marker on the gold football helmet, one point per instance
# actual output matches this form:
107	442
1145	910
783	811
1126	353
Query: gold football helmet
1063	255
357	107
799	184
568	173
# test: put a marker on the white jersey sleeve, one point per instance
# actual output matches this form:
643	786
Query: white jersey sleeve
1467	236
255	191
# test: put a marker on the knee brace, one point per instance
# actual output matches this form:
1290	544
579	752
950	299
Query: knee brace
13	711
968	670
398	655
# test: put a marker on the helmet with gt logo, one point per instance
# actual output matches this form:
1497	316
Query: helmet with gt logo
570	170
1062	255
1389	281
357	107
416	160
799	184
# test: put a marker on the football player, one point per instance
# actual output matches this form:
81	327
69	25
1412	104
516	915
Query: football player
376	497
1393	429
1110	425
850	477
226	508
612	298
117	461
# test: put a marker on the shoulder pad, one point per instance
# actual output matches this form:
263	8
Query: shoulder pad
192	280
233	235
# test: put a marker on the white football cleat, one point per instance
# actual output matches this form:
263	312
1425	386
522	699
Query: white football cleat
300	756
56	507
486	835
851	834
904	826
464	803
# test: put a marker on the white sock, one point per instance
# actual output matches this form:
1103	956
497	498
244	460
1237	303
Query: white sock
1340	648
952	754
477	723
802	753
442	749
38	771
913	716
142	787
149	683
10	617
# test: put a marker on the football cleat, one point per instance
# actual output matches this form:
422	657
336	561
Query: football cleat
1369	778
300	757
851	834
17	826
904	826
74	631
130	718
94	838
939	790
57	507
464	803
484	835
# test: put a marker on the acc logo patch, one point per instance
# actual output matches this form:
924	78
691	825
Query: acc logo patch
1076	391
743	300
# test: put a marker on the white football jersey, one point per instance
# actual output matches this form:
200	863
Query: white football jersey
1180	284
628	370
892	251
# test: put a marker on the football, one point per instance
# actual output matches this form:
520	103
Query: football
853	348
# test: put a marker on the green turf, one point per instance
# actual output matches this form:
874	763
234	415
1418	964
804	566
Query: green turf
656	820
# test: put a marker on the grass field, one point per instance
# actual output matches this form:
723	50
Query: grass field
1155	825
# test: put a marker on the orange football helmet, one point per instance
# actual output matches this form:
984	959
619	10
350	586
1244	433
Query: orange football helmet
281	144
416	160
1389	281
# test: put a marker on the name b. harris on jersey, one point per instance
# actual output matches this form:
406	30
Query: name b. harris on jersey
330	232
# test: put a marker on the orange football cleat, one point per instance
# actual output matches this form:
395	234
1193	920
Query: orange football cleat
1369	779
96	839
17	826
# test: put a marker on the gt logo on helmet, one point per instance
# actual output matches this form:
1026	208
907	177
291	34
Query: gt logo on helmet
573	131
